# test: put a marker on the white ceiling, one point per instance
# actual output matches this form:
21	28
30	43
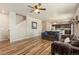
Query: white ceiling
54	11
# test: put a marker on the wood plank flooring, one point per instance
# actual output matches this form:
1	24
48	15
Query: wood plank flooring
32	46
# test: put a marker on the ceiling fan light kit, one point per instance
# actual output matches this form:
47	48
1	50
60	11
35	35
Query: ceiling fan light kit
36	11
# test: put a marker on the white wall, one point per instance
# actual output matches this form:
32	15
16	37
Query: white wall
4	27
24	29
33	32
12	25
19	32
76	26
43	26
48	26
19	18
72	29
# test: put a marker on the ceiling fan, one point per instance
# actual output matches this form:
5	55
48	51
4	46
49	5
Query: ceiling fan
76	20
37	8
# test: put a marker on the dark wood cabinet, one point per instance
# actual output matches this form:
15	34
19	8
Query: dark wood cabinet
65	27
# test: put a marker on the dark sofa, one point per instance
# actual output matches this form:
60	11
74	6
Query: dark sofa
50	35
62	48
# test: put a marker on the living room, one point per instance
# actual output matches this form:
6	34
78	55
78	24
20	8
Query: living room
35	28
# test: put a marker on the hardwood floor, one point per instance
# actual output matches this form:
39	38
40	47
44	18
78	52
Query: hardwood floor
33	46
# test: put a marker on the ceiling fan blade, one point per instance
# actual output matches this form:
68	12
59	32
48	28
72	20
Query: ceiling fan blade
42	8
32	11
39	4
30	6
36	7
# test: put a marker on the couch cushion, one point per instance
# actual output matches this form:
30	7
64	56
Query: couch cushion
73	37
75	43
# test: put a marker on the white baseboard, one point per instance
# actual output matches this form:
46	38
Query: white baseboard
27	37
3	40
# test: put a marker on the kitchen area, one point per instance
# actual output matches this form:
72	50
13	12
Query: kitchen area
63	29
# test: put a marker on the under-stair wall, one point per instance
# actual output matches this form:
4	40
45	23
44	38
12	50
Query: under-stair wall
23	30
4	27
